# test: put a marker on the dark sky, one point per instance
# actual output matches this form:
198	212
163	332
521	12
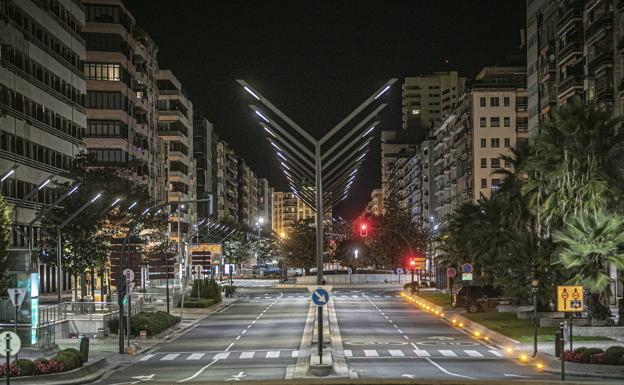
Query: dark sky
317	60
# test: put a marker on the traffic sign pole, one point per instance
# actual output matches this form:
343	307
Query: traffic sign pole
8	359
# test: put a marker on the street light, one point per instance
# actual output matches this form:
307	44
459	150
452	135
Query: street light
9	173
356	251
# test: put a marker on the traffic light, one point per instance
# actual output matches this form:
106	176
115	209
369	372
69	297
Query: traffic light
412	263
123	291
363	230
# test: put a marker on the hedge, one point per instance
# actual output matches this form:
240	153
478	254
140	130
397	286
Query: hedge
193	303
151	322
613	355
63	361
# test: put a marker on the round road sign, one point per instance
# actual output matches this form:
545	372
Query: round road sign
129	274
12	347
467	268
451	272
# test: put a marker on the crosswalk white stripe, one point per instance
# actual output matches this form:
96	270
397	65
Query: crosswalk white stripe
448	353
273	354
221	356
170	357
195	356
473	353
295	354
354	296
348	353
421	353
371	353
247	355
496	353
147	357
396	353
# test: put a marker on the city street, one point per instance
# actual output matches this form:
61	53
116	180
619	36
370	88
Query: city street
258	338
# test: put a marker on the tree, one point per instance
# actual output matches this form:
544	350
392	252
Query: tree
588	243
300	247
5	242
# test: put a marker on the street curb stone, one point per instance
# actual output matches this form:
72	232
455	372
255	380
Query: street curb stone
85	374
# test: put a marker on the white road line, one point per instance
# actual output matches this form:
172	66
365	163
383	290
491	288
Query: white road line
229	346
295	354
195	356
446	371
248	326
421	353
406	337
147	357
448	353
371	353
200	371
354	296
496	353
399	330
170	357
244	331
238	338
221	356
348	353
253	322
273	354
473	353
247	355
396	327
396	353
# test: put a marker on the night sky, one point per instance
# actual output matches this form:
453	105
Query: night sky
317	60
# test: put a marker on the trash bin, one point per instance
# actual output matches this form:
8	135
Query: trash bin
84	349
558	338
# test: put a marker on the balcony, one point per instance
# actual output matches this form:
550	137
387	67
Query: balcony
600	61
522	127
597	29
604	96
620	5
570	16
570	83
574	47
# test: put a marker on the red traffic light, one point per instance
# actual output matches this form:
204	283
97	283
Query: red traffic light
412	262
363	230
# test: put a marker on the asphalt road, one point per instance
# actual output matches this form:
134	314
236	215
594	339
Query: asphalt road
258	337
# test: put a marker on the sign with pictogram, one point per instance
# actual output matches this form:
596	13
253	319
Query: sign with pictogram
17	296
570	298
467	268
419	263
451	272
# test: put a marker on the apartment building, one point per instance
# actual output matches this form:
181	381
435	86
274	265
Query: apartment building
204	154
42	117
227	183
265	202
375	205
247	195
121	69
175	128
288	209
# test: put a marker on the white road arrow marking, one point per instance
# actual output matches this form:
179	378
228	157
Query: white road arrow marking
236	377
144	378
408	376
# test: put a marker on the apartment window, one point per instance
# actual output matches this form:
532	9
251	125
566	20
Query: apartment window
507	121
482	101
494	121
483	162
482	122
506	101
495	142
494	101
484	183
483	143
495	184
507	164
507	142
103	71
108	101
495	162
105	129
108	155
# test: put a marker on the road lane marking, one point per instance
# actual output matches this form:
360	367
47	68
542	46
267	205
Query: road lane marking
170	357
348	353
221	356
238	338
496	353
247	355
406	337
399	330
515	375
147	357
446	371
473	353
244	331
396	353
448	353
229	346
371	353
200	371
195	356
273	354
295	354
421	353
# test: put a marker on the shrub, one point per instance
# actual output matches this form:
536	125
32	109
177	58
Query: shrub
76	354
55	366
588	353
411	286
597	358
572	356
193	303
26	367
613	354
70	358
152	322
579	350
14	370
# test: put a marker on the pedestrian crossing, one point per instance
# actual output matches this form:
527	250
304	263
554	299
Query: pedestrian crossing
239	355
412	353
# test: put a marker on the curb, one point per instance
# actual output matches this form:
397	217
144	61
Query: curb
83	375
553	365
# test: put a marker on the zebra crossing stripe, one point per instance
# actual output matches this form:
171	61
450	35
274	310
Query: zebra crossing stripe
348	353
221	356
421	353
147	357
170	357
195	356
273	354
371	353
496	353
295	354
473	353
247	355
448	353
396	353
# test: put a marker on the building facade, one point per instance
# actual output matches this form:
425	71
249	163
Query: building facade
375	205
204	156
288	209
42	118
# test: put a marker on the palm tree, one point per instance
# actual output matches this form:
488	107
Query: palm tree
588	244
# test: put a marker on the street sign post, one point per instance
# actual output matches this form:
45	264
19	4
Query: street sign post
17	296
451	273
467	268
320	297
570	300
10	345
466	276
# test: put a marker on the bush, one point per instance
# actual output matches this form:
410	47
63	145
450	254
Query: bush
597	359
193	303
587	354
14	370
55	366
572	356
26	367
613	355
411	286
70	358
152	322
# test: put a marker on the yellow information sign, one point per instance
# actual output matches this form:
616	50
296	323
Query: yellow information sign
570	298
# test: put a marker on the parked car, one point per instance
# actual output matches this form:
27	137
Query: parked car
478	298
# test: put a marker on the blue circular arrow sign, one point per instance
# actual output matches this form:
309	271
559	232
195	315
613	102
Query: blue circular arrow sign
320	297
467	268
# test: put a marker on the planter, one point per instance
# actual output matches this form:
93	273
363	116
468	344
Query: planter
87	373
